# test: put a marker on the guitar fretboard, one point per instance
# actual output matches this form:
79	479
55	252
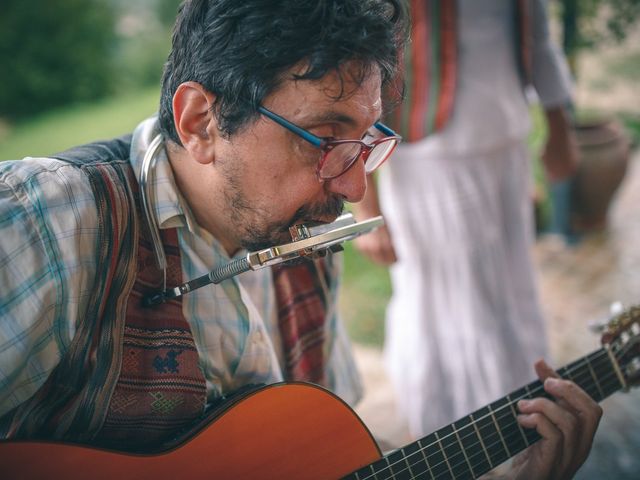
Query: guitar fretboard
486	438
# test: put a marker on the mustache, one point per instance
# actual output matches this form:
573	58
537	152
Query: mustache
279	233
332	208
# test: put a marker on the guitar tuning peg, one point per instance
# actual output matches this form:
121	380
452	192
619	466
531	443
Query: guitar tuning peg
616	308
599	326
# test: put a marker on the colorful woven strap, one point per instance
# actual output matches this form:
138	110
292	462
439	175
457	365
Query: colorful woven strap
428	71
429	67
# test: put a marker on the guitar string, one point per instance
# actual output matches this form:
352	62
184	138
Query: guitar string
515	433
608	380
601	354
498	442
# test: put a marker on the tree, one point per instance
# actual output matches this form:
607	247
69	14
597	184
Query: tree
591	23
53	52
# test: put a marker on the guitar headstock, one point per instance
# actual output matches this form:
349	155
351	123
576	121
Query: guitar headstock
622	337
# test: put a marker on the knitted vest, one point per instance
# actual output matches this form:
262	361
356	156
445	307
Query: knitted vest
131	374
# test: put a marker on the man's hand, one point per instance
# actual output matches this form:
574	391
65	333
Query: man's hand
567	427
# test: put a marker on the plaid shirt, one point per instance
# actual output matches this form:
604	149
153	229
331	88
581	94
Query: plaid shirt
47	268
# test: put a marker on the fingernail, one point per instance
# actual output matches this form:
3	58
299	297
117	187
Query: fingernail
551	382
523	403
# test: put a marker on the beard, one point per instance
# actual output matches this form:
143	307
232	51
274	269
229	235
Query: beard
253	233
277	233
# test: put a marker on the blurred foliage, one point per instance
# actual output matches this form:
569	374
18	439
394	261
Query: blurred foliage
61	52
54	52
631	123
594	23
167	10
625	67
143	40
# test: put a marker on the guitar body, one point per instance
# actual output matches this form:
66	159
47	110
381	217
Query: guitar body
281	431
302	431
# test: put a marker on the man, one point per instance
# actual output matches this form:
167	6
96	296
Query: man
254	94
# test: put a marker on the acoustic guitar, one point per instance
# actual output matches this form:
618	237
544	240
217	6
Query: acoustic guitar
301	431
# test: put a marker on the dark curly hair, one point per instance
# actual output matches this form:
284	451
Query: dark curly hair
240	49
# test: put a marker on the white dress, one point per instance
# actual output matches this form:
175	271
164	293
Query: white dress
464	326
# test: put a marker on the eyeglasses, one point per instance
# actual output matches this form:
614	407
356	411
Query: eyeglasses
339	155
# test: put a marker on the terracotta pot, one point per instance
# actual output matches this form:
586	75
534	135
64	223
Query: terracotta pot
604	155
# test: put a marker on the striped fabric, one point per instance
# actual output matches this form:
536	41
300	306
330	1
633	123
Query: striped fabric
72	403
429	67
301	294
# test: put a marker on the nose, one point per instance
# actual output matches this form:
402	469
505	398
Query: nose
352	184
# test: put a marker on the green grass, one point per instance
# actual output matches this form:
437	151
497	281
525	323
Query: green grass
75	125
365	292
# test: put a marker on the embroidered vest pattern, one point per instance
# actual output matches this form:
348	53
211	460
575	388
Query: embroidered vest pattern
161	388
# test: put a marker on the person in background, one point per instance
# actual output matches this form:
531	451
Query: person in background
464	323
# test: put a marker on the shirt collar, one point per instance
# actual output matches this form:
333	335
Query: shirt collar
171	209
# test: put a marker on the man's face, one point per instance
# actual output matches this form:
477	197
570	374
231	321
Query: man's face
269	173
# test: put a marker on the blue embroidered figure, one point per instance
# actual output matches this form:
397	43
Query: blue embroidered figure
168	364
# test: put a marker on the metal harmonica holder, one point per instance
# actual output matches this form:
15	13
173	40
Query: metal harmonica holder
306	241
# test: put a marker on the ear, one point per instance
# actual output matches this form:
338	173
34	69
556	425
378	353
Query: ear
194	120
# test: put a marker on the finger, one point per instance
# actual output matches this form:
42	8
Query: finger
550	449
586	410
543	370
565	425
575	397
575	414
544	426
562	419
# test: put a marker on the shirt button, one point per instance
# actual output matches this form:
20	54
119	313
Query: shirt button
257	337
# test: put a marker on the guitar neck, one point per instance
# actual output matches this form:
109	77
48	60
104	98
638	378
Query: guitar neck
486	438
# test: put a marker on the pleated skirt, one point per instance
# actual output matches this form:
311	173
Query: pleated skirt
464	324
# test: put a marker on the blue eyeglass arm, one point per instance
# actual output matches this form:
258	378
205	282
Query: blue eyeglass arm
386	130
308	136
